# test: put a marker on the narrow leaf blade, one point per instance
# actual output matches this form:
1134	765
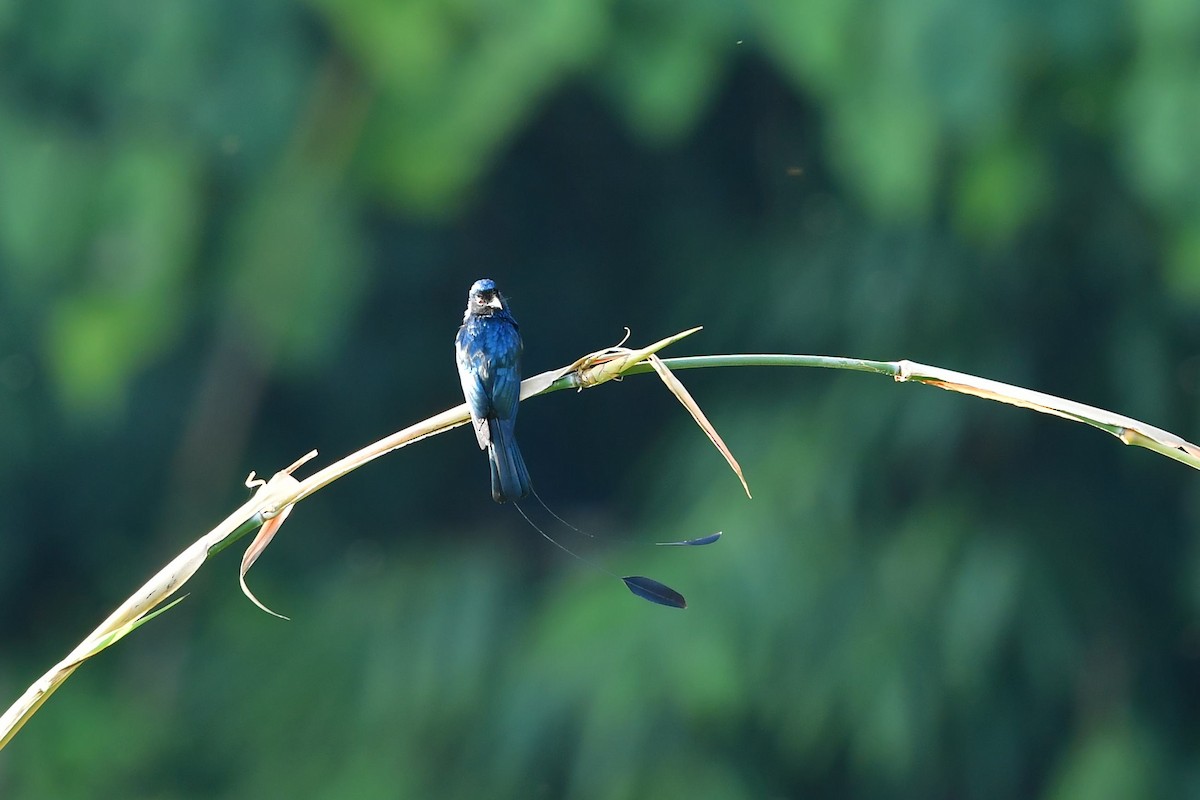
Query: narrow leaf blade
655	592
115	635
681	393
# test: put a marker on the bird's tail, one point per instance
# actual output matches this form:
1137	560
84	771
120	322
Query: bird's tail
510	479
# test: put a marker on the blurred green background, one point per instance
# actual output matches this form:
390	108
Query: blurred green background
231	232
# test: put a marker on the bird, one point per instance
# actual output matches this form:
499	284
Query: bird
487	352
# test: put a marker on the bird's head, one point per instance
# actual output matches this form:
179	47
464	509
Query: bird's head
484	298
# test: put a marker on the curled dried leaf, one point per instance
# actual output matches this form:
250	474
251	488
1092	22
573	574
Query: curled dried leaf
265	534
611	363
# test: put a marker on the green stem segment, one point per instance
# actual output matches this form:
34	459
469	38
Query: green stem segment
776	360
892	368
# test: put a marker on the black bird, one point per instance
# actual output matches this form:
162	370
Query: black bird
487	350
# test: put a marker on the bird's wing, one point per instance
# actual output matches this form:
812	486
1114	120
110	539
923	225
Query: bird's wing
505	388
506	391
470	375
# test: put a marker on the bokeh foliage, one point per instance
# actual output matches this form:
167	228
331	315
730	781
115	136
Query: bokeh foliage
231	232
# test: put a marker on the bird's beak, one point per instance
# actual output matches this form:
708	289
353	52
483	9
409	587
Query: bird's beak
494	302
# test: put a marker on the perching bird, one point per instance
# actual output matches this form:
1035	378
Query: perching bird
487	350
488	353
